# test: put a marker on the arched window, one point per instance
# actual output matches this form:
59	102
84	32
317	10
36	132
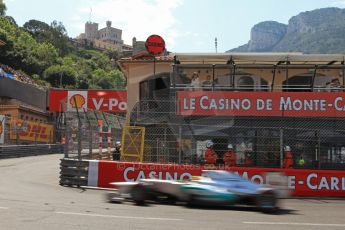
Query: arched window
245	83
155	86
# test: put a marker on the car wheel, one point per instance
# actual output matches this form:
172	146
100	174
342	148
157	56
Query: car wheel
167	199
139	195
267	202
191	201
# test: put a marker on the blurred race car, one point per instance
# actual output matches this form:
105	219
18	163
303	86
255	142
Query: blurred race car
213	187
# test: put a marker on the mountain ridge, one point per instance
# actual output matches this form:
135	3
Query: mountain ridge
317	31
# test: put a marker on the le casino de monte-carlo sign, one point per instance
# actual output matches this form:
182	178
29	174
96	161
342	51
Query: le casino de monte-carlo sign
289	104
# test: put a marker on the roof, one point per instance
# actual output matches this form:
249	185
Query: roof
259	58
144	56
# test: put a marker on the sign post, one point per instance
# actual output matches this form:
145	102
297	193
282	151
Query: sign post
155	45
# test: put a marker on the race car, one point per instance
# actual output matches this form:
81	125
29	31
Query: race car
213	187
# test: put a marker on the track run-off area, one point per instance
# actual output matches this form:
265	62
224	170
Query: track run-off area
31	199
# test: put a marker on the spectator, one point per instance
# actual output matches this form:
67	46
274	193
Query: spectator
248	161
15	75
230	158
210	154
2	72
208	82
288	158
117	151
301	161
333	86
195	83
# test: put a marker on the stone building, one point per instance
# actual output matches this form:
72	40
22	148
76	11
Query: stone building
105	38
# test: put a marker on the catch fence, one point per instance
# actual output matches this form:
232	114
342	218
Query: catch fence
171	138
156	133
90	134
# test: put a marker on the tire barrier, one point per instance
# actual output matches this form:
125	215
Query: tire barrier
73	172
12	151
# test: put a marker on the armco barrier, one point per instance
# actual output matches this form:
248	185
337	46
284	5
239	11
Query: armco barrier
307	183
73	172
9	151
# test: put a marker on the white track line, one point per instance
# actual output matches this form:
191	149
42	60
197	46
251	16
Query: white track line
119	217
296	224
4	208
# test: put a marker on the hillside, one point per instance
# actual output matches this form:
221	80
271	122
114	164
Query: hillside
42	54
317	31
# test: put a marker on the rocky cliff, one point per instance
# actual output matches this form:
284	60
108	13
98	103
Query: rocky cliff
317	31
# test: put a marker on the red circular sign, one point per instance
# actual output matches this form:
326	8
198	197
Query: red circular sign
155	44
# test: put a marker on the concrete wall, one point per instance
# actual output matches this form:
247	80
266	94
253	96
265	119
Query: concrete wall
26	93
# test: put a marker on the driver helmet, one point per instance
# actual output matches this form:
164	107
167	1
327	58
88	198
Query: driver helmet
118	144
287	148
230	146
209	144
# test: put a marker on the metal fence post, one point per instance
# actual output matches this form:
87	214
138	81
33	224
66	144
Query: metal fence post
17	134
90	133
317	149
90	142
180	140
281	147
79	139
66	142
79	129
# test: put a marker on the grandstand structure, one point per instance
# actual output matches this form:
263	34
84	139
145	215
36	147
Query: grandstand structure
181	113
20	97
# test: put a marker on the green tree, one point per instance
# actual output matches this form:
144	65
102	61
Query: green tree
113	54
39	30
82	81
2	9
60	76
46	55
11	19
54	33
118	78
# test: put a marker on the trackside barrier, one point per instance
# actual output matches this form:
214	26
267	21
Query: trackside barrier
9	151
74	172
306	183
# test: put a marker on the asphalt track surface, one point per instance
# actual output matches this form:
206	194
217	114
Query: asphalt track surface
31	199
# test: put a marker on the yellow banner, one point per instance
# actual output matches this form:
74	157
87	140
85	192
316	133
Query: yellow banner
31	131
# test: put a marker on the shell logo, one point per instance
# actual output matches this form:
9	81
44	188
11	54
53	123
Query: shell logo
77	101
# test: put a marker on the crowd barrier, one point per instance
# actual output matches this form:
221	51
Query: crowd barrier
304	183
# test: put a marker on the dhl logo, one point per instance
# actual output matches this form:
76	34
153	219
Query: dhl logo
35	131
77	101
31	131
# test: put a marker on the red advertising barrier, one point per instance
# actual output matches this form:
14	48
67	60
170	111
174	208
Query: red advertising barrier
290	104
100	100
321	183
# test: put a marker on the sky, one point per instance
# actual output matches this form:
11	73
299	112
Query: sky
185	25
